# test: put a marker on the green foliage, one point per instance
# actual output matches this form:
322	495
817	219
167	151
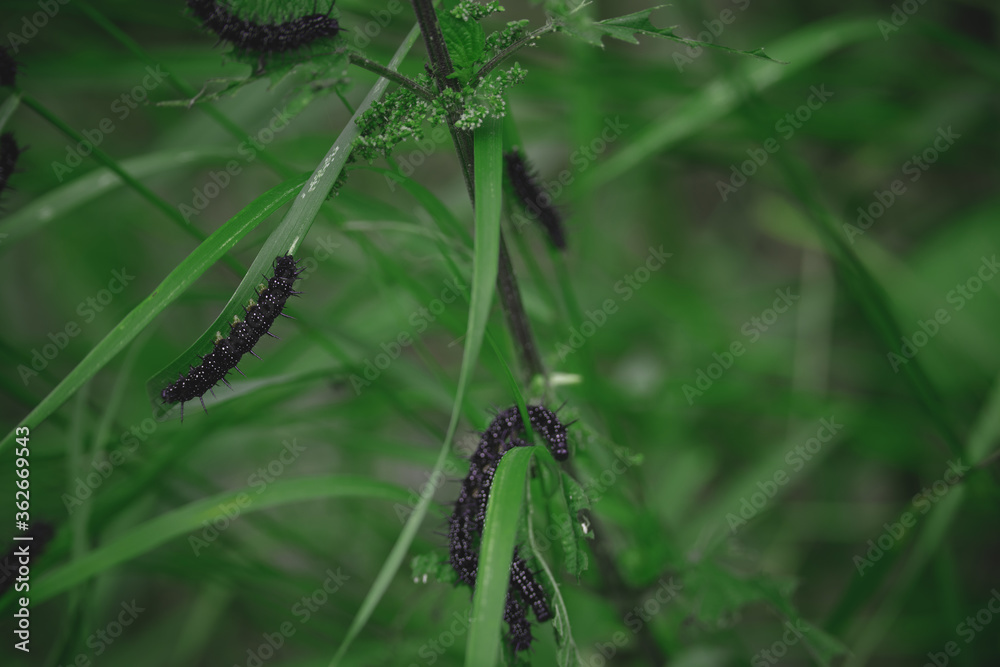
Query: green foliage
309	72
700	517
466	41
432	567
400	116
625	28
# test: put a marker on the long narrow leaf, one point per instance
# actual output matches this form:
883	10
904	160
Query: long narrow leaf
206	254
285	239
488	144
714	101
495	554
37	214
152	534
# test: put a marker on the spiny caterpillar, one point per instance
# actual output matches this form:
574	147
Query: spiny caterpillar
465	525
243	336
8	68
265	39
9	152
537	202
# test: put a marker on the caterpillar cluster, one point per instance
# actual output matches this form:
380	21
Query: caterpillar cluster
265	39
243	336
465	526
8	68
537	202
9	152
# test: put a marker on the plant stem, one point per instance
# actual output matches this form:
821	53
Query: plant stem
437	51
516	46
441	70
510	295
401	79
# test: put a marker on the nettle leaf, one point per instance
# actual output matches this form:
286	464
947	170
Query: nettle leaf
625	28
432	567
568	524
466	41
555	509
575	527
579	25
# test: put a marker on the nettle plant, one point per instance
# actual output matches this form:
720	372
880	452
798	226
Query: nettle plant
507	555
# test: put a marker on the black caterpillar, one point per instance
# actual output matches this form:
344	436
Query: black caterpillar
262	38
9	152
465	526
8	68
536	200
243	336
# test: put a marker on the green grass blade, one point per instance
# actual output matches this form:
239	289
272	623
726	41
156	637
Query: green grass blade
103	158
985	432
206	254
495	554
38	213
155	532
800	49
870	296
285	239
434	206
488	169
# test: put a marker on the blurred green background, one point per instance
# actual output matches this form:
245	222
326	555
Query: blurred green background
792	384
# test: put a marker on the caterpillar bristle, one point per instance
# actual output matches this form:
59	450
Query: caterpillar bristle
263	38
466	522
243	336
